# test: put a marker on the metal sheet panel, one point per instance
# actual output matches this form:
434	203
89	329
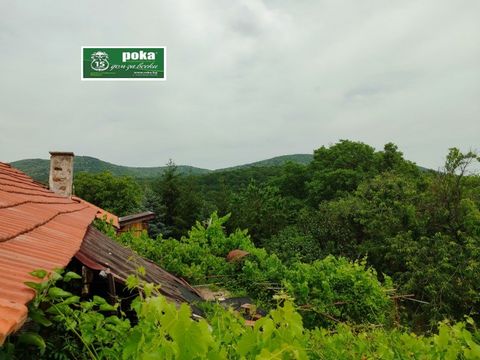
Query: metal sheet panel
99	249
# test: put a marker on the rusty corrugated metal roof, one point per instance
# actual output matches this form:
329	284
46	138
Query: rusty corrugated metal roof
38	230
99	252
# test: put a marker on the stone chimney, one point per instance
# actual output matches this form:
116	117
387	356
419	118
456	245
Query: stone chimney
61	172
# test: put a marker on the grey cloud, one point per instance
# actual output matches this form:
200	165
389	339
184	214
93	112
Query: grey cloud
246	80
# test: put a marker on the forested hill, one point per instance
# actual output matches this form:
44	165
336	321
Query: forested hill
39	168
276	161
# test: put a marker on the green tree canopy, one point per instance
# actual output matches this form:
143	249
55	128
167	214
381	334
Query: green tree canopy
339	169
119	195
180	199
260	208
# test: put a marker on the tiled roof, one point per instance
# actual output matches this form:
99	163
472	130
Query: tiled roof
38	230
101	214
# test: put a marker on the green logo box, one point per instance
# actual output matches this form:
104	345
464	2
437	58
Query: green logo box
130	63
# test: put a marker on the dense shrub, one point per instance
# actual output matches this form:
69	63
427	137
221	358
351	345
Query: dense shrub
453	341
291	245
327	289
337	290
95	330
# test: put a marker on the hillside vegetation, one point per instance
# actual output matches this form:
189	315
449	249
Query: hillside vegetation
420	228
276	161
39	168
358	254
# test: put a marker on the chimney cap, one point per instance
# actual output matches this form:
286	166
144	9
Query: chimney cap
62	153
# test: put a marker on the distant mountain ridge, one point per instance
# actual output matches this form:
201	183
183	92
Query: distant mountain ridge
275	161
39	168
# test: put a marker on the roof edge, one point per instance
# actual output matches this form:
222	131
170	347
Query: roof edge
64	153
143	216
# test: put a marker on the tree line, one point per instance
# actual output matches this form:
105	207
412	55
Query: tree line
419	227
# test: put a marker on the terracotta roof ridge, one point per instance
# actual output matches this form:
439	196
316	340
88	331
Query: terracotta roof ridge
14	172
33	187
21	175
37	202
41	223
49	194
20	179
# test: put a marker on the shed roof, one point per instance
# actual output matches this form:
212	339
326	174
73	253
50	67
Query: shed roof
135	218
99	252
38	230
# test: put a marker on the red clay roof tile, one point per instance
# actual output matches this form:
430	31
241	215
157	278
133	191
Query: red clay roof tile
38	230
101	214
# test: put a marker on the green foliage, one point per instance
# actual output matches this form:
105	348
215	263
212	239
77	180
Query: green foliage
42	333
391	160
39	168
302	159
88	330
235	180
426	234
365	207
292	180
153	202
179	200
165	332
190	205
261	209
386	206
422	229
326	289
118	195
291	245
455	341
339	169
333	227
276	336
279	335
162	331
442	272
448	192
336	290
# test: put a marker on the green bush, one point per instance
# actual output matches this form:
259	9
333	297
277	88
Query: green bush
453	341
327	290
96	330
336	290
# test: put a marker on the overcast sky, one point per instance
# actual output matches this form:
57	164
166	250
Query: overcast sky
247	80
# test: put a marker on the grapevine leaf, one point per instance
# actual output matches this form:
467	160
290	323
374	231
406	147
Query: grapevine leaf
29	338
71	300
107	307
39	273
70	276
56	292
39	317
33	285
